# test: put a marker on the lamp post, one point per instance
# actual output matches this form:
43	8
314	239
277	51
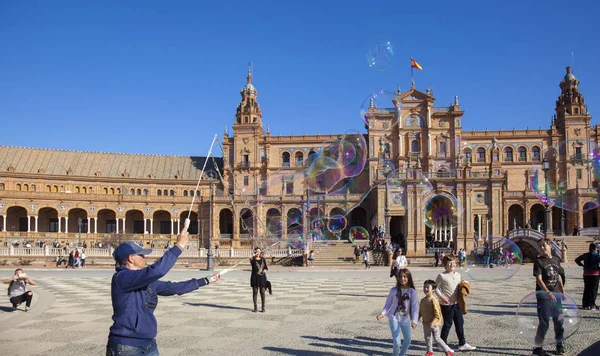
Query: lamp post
386	172
561	187
209	255
79	230
546	168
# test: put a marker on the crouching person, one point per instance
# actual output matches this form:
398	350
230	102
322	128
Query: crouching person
17	289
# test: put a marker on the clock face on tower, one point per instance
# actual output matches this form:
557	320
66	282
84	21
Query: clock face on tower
414	120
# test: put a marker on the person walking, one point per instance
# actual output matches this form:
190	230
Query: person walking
590	261
17	289
258	278
447	291
431	314
548	276
365	254
402	310
134	292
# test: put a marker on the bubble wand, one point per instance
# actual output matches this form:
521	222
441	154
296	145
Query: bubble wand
187	220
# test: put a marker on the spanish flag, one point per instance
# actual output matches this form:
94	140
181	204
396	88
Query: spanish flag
414	64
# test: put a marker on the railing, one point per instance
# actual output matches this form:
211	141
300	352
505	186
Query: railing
188	252
441	108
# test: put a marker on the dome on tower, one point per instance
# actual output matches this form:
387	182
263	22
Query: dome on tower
569	77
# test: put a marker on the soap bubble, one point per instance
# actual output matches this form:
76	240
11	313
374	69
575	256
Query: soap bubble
561	310
358	234
496	264
380	54
381	106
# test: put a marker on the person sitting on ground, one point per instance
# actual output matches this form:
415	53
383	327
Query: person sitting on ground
17	289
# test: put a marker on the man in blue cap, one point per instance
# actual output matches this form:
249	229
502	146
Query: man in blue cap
135	289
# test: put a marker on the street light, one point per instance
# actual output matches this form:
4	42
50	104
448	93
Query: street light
386	172
546	168
561	188
79	234
209	255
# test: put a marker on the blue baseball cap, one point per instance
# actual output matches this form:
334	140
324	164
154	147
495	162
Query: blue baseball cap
129	248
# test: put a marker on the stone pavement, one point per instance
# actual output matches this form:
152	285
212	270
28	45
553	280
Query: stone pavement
316	313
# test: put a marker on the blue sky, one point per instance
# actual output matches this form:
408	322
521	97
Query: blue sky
162	77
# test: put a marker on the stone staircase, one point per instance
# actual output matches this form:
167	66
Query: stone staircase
576	245
341	253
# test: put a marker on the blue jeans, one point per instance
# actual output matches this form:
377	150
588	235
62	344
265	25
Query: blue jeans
114	349
400	348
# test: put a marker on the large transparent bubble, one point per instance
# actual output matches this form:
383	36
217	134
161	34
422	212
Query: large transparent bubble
358	234
442	212
381	107
496	261
559	311
380	53
572	164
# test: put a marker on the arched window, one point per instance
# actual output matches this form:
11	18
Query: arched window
299	159
105	190
535	154
26	187
522	154
172	193
139	192
1	186
414	146
90	190
146	192
118	190
185	193
159	192
197	193
84	190
112	191
19	187
285	159
77	190
33	187
55	189
131	191
165	193
468	154
48	189
508	154
481	154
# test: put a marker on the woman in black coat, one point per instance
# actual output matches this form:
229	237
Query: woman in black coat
258	278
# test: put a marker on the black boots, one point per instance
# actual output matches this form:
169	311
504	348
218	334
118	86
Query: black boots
255	308
262	310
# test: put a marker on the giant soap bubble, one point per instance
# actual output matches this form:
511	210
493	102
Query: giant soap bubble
496	262
558	311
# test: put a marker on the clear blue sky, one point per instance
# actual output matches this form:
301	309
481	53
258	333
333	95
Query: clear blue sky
162	77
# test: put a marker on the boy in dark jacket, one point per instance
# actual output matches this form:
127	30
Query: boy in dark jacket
135	289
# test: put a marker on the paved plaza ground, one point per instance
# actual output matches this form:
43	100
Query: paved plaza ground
311	312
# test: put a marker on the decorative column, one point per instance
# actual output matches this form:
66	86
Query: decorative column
89	225
28	223
96	225
151	226
117	220
66	224
36	223
172	226
59	224
4	222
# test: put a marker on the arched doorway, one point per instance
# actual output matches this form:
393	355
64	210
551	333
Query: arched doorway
226	224
193	228
246	223
76	225
294	222
273	223
537	214
515	217
134	222
590	217
162	222
17	219
107	221
47	220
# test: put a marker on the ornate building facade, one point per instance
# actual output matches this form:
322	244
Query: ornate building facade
486	182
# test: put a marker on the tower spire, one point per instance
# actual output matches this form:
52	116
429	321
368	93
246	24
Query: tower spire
249	78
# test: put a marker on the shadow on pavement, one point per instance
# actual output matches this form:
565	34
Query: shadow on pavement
285	351
358	295
215	306
6	309
592	350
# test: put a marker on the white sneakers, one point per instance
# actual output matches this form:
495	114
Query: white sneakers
466	347
27	309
